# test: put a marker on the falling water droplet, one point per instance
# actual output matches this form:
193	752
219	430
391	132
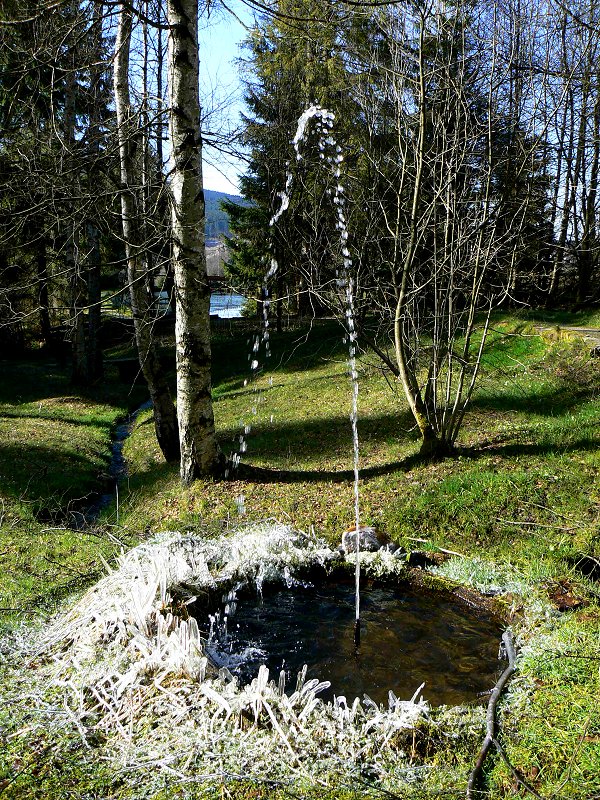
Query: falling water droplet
240	503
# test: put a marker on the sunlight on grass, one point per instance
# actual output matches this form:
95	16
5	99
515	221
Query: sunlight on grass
528	441
519	504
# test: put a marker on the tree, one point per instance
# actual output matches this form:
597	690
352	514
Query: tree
435	226
295	60
457	226
199	450
54	113
138	273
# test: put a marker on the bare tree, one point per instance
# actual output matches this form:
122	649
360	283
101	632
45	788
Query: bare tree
448	235
165	419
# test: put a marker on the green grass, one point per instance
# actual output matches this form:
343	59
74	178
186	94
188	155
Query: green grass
552	728
520	499
527	454
54	452
588	318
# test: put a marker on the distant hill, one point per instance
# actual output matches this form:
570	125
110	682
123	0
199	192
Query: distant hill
217	221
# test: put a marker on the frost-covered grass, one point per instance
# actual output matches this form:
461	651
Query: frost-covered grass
485	576
119	689
119	667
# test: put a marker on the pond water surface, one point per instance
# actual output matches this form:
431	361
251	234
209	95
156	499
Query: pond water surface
409	637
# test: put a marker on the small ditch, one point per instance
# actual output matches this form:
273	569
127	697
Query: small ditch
84	512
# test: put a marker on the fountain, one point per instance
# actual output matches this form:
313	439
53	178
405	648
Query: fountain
330	152
167	657
301	626
414	641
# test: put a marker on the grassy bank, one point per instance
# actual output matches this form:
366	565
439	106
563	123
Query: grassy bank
54	453
522	482
519	503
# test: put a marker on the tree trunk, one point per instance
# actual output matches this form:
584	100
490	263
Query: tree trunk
41	261
199	451
165	419
406	371
94	351
588	254
79	374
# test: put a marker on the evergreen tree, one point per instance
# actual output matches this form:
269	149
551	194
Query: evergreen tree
295	61
54	113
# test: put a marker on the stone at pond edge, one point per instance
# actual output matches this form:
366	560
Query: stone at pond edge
562	595
370	539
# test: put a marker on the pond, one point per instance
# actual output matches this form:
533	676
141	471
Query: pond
227	305
409	637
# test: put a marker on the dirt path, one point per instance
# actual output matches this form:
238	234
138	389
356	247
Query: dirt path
590	335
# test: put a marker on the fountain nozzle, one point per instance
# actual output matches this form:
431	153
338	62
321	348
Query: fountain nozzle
357	633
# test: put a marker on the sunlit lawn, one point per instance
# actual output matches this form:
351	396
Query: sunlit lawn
527	452
521	494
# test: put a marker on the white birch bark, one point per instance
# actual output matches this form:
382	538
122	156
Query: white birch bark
199	451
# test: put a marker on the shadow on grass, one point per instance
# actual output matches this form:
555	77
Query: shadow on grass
552	402
242	387
50	417
324	437
264	475
560	317
290	351
46	479
38	379
513	449
561	386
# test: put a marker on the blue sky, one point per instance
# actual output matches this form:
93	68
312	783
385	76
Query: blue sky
219	42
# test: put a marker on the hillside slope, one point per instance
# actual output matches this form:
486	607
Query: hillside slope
217	221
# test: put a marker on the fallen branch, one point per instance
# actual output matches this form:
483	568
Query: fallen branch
491	714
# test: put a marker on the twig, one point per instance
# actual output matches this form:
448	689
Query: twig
491	714
439	549
545	508
533	524
589	558
450	552
35	760
65	566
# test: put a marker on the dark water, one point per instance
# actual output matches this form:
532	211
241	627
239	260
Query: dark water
408	638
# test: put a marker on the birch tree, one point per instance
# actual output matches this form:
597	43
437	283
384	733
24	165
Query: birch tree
199	450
